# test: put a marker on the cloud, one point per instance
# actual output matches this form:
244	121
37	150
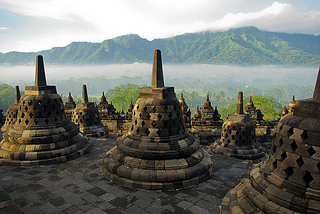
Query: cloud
4	28
80	20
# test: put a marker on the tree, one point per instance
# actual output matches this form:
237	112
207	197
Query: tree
123	95
7	94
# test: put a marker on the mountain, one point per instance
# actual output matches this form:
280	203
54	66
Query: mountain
238	46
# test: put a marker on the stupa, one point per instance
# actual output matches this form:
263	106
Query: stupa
254	113
292	105
86	116
69	106
288	181
186	114
238	137
11	114
157	152
41	134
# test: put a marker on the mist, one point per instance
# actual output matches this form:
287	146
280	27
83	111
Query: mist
102	78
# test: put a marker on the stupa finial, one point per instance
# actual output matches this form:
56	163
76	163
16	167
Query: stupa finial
84	94
17	95
157	72
239	109
316	93
40	75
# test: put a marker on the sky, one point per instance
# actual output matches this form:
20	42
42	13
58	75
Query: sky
35	25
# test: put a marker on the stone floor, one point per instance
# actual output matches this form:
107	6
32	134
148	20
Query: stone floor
78	186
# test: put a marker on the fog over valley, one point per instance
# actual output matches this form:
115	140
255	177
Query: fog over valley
188	77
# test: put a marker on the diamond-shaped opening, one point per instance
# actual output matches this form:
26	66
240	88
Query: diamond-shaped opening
55	119
30	102
24	102
143	123
26	108
280	142
283	156
170	115
138	130
170	131
34	108
300	161
159	116
174	123
290	132
166	108
136	122
46	120
165	123
288	171
273	149
308	177
19	121
148	116
22	115
44	108
293	146
147	132
26	121
145	108
304	135
159	132
137	107
140	115
153	124
36	121
53	107
134	113
154	109
318	165
311	151
131	128
40	114
240	137
275	164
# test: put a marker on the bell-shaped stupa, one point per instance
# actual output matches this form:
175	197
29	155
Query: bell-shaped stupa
11	114
86	116
185	113
238	137
288	181
157	152
41	134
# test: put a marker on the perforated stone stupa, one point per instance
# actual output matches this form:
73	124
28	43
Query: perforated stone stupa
289	180
238	137
254	113
185	112
41	134
69	106
86	116
11	114
157	152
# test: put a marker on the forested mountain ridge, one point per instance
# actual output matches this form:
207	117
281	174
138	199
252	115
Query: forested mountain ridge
238	46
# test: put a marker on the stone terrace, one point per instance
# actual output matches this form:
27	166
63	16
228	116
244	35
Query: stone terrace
78	186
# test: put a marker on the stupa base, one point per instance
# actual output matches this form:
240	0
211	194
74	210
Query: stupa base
155	177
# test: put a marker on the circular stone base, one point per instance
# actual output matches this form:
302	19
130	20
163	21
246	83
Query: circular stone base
164	176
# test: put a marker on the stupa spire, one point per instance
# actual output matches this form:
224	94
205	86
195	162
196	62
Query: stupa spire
40	79
316	93
157	72
17	95
84	94
239	109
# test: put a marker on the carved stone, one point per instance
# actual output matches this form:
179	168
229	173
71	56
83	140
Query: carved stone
288	181
157	152
41	134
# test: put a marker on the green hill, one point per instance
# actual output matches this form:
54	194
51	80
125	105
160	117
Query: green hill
239	46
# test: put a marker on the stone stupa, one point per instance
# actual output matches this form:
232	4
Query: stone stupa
69	106
238	137
41	134
11	114
185	112
86	116
157	152
289	180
